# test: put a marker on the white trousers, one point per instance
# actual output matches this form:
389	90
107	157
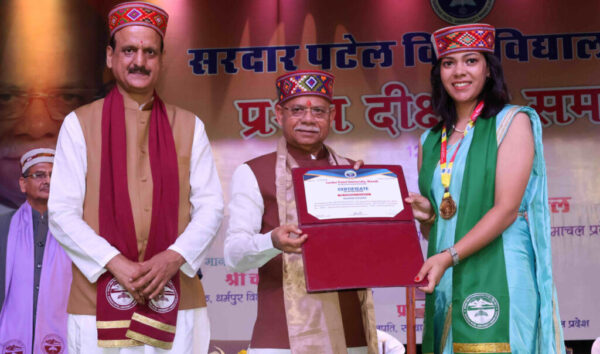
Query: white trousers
192	335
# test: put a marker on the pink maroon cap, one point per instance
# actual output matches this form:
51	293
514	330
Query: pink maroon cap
305	82
463	38
137	13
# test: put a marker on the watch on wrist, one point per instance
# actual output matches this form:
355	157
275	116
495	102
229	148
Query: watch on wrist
453	254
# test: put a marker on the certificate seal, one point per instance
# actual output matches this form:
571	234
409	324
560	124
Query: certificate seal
350	174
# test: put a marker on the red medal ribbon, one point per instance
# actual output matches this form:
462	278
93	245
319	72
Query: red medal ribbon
447	170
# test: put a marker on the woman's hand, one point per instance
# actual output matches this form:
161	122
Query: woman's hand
420	205
433	269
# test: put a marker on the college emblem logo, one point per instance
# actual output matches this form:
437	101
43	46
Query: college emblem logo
53	344
14	346
118	297
166	301
462	11
350	174
480	310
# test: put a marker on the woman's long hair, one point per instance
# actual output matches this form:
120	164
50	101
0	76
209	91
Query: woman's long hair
494	93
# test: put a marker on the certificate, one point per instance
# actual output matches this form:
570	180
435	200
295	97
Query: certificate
350	194
361	232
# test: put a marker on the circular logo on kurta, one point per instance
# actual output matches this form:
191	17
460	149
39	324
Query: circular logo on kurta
350	174
166	301
14	346
53	344
118	297
462	11
481	310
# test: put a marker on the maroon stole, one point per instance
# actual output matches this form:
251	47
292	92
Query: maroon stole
121	321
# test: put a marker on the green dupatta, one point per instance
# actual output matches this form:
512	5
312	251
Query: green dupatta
480	300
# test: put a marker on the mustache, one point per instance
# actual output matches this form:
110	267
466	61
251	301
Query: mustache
310	128
139	69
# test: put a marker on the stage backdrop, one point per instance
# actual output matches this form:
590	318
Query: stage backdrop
222	58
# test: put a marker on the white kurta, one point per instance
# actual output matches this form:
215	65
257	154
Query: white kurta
245	247
91	252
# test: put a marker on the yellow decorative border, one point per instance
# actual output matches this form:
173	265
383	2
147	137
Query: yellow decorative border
506	120
114	343
447	325
556	324
112	324
153	323
481	348
148	340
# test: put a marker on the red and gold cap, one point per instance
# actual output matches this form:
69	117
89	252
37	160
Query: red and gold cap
463	38
305	82
137	13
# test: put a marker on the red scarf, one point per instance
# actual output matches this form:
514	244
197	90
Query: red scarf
120	320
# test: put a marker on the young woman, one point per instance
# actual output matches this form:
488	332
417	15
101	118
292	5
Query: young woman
484	205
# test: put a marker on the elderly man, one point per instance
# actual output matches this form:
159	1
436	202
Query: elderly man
136	203
263	228
33	318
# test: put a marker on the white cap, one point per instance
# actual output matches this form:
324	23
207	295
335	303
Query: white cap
36	156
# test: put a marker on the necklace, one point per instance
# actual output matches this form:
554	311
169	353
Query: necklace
448	205
457	130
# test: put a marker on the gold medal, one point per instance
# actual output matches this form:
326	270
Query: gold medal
447	208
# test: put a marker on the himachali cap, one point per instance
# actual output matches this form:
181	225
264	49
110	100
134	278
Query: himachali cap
463	38
306	82
36	156
137	13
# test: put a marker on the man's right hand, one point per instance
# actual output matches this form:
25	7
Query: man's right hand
421	206
282	240
127	272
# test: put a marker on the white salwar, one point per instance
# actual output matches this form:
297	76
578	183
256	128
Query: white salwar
192	335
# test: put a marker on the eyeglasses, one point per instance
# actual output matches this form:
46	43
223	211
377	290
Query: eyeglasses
300	111
59	103
39	175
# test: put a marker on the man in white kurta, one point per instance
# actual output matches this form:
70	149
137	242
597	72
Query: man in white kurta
135	58
263	233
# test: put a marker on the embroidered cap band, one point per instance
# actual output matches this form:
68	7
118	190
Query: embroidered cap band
36	156
301	83
137	13
462	38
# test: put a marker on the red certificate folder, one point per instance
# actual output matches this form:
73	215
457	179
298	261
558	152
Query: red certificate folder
358	252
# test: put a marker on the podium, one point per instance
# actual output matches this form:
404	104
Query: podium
346	247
